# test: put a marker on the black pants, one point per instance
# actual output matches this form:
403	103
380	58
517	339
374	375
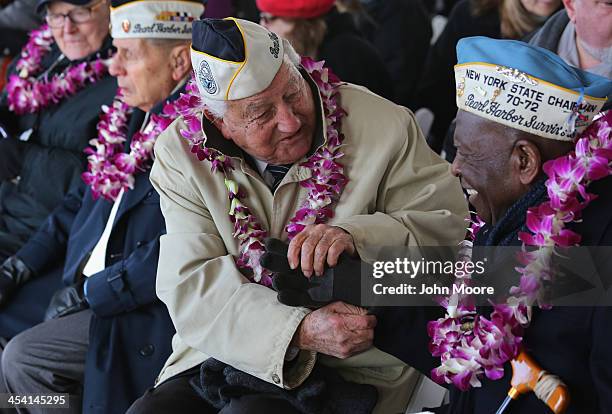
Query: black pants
176	395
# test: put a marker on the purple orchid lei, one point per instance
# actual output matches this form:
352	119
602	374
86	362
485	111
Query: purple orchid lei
26	94
111	170
470	345
324	186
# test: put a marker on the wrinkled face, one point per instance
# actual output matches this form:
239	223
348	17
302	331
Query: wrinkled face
277	125
593	20
78	40
280	26
542	8
143	71
482	164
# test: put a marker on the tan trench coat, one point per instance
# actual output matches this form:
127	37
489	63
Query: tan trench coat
399	193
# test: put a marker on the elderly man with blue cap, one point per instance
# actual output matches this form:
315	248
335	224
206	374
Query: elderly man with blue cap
106	333
295	154
533	154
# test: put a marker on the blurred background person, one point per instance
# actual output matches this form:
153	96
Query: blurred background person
106	334
243	9
48	113
581	35
17	18
400	30
317	29
508	19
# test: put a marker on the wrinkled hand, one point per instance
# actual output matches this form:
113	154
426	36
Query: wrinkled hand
339	283
13	273
66	301
316	245
338	329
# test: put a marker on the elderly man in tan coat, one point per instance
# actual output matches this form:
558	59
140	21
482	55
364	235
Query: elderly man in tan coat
289	153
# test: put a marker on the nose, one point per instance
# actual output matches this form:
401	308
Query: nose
115	68
456	167
69	27
287	121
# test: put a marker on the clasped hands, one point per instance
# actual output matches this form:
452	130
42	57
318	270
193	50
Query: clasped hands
317	270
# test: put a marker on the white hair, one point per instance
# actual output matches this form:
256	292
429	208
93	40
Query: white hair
218	108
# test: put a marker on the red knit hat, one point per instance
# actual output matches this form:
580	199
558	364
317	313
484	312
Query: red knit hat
297	9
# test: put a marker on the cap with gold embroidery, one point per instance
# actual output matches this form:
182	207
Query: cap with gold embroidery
234	58
527	88
154	19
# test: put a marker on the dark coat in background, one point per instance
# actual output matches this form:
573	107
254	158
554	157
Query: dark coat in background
353	58
436	90
17	18
131	331
400	30
571	342
49	164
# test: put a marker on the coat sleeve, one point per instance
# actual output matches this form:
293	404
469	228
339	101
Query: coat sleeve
419	202
125	285
215	309
48	245
402	332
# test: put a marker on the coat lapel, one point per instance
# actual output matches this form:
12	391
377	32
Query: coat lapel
131	198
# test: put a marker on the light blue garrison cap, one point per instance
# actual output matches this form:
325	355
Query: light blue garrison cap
527	87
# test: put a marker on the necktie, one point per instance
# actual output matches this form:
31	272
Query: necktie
273	175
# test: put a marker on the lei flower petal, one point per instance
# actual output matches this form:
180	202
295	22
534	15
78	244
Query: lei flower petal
470	345
324	186
27	94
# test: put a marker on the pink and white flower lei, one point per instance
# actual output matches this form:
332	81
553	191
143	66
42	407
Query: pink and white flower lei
324	187
470	345
110	169
26	94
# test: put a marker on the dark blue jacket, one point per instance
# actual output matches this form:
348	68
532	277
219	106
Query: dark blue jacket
131	331
571	342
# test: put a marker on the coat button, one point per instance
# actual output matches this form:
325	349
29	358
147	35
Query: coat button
276	379
147	350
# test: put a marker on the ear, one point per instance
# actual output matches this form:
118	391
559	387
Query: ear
526	161
570	8
180	61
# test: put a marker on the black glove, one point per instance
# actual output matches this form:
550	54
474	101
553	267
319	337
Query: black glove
13	273
340	283
67	300
323	392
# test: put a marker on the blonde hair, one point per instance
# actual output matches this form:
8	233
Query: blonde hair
307	35
515	20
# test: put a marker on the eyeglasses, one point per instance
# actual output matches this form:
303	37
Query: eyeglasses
76	16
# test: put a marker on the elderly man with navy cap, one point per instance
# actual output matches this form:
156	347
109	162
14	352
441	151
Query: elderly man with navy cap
292	153
106	333
520	107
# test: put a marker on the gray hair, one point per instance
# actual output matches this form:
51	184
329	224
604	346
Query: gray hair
218	108
168	43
